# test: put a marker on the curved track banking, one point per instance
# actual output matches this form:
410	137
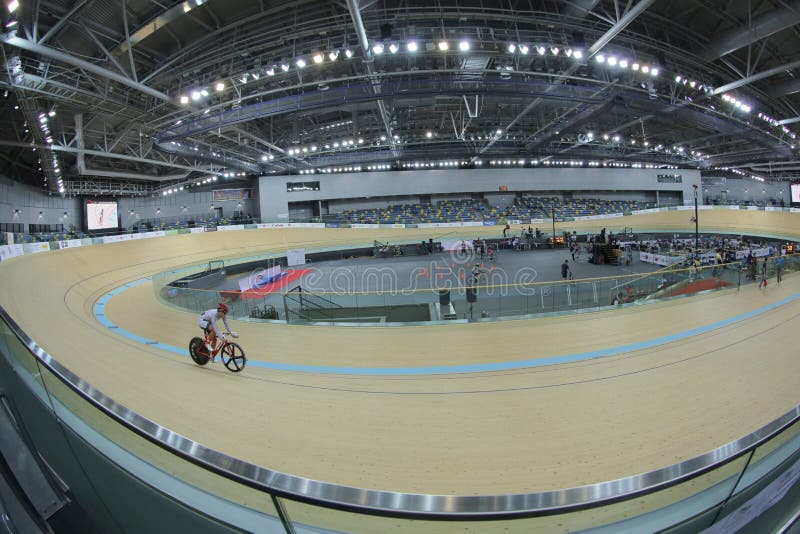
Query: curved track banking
522	428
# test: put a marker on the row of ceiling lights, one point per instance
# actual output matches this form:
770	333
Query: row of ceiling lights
378	48
412	46
478	163
741	173
43	124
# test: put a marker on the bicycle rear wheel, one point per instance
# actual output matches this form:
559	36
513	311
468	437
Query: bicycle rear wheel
197	351
233	357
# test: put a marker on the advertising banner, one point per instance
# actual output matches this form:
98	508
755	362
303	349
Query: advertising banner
226	227
70	243
364	225
33	248
10	251
290	225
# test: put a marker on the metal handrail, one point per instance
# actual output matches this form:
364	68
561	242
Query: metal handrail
395	504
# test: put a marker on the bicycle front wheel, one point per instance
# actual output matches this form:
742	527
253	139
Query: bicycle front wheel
233	357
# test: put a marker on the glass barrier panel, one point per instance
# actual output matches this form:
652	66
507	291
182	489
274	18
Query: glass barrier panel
776	449
68	403
20	354
647	513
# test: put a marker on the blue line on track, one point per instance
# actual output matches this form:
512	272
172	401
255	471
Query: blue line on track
99	308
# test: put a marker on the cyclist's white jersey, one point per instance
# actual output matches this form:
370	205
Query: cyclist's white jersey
210	317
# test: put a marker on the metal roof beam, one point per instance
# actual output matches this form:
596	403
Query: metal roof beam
758	29
756	77
57	55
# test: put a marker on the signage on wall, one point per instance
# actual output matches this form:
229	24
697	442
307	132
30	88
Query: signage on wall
713	180
669	178
221	195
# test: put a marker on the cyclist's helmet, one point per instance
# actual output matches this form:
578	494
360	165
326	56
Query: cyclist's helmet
222	307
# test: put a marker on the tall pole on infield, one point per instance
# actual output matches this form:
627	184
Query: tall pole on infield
696	224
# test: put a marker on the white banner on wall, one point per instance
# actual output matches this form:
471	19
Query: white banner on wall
450	224
290	225
10	251
659	259
364	225
148	235
117	238
226	227
200	230
70	243
33	248
9	238
597	217
295	256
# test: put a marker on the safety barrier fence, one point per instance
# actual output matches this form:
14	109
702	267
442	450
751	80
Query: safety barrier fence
379	297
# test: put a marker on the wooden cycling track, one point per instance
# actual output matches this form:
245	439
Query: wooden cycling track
521	430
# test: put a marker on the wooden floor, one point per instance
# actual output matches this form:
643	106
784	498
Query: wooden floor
527	429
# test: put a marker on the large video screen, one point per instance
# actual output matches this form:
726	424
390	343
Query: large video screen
101	214
795	193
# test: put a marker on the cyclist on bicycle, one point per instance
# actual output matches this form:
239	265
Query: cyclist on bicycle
208	322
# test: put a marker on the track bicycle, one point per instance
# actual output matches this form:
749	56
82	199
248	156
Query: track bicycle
232	354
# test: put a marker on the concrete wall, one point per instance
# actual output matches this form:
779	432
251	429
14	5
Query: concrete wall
338	206
36	206
180	206
274	199
744	190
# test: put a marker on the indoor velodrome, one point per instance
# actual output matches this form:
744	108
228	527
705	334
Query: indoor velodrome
368	266
411	409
